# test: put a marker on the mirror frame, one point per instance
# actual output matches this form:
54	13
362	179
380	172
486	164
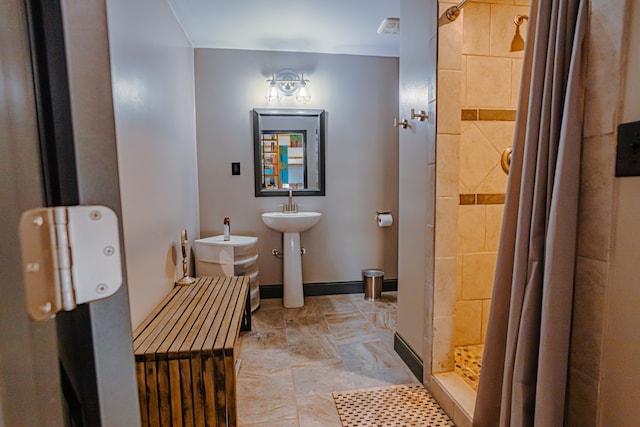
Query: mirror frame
257	161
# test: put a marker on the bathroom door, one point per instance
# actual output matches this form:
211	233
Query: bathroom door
57	147
417	168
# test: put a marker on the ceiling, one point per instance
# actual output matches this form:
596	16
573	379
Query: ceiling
323	26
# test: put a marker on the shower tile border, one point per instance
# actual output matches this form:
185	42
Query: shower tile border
481	114
482	199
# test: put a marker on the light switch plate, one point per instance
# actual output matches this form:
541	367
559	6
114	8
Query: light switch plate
628	152
235	168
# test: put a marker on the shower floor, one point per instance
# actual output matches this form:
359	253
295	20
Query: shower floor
468	360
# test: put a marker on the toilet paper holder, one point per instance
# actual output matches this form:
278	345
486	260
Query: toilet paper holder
384	218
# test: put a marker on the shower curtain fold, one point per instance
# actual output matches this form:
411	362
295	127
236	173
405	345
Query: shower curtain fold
525	362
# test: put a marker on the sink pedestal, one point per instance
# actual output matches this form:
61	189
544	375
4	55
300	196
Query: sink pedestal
292	272
291	224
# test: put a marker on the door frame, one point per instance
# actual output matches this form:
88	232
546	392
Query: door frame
29	382
91	345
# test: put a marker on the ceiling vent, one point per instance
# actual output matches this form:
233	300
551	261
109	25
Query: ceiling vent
389	26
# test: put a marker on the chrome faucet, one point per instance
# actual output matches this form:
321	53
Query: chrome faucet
290	206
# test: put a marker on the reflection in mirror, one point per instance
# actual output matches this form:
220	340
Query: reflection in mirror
288	152
283	160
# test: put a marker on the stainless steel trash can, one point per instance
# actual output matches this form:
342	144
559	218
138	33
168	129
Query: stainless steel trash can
372	284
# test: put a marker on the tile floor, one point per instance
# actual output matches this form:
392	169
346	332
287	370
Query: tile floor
293	359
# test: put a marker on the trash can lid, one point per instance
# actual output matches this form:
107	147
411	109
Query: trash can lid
372	273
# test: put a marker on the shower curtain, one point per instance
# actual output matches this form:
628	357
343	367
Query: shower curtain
525	363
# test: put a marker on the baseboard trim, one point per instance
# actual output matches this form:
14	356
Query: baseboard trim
410	358
332	288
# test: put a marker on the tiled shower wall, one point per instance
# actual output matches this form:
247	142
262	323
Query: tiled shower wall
478	87
490	88
606	52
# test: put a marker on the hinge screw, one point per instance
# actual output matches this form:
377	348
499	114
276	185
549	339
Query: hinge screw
45	308
108	251
33	267
95	215
102	288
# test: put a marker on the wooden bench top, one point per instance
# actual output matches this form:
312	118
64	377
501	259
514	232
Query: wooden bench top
196	318
197	322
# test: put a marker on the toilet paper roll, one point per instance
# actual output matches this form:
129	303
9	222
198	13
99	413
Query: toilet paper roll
385	220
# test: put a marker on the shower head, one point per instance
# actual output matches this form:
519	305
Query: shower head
517	43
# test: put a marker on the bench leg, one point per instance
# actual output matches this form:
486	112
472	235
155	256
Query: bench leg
246	317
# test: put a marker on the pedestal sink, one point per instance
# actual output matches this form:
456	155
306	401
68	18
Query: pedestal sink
291	224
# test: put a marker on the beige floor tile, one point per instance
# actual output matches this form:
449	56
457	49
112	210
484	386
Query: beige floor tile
387	337
354	334
344	318
317	410
317	380
318	351
350	327
320	305
267	320
256	341
308	326
264	362
270	304
367	378
311	308
265	398
383	320
386	303
292	422
339	303
344	298
368	355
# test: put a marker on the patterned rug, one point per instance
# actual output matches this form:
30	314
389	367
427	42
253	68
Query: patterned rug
408	405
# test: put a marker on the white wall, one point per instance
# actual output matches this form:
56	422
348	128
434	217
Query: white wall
418	47
153	81
360	96
620	392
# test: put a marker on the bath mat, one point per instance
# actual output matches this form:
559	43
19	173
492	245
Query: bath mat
408	405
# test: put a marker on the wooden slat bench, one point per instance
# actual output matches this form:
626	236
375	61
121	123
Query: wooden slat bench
184	353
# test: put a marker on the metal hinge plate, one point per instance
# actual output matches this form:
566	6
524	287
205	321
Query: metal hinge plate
70	256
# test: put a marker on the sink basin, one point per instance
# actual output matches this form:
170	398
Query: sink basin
291	222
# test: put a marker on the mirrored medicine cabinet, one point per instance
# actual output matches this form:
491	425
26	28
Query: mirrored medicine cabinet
288	146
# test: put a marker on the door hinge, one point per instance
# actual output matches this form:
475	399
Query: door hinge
70	256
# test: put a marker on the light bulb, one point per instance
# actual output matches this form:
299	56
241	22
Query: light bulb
303	94
273	95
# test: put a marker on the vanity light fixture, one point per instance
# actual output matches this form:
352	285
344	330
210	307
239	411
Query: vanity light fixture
288	82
